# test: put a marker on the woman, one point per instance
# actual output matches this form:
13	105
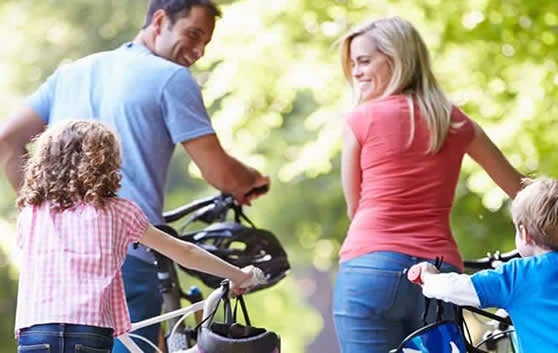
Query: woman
402	151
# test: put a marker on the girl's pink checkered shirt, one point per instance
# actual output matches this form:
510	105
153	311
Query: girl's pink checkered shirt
70	264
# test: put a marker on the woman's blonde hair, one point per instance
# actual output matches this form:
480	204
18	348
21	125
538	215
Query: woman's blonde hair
535	207
73	161
411	72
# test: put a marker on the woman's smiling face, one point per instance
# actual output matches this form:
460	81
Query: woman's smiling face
371	69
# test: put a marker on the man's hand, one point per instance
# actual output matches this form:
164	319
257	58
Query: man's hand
261	187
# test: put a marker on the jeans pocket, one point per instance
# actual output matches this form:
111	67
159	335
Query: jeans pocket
34	348
80	348
366	291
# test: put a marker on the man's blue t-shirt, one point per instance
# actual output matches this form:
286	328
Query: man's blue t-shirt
527	289
151	103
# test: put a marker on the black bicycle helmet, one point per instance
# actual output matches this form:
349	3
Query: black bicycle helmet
230	336
241	246
221	338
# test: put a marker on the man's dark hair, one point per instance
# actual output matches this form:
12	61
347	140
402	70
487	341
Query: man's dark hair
177	9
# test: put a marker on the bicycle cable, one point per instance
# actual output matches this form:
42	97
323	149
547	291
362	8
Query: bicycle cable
141	338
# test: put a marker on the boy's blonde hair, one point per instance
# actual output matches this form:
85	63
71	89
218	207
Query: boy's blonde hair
412	72
73	161
535	207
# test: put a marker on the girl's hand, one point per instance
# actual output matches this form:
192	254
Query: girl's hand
253	277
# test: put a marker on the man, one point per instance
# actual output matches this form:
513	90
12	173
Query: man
145	91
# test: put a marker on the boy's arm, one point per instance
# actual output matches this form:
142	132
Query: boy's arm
450	287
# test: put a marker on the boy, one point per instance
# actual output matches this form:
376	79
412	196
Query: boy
526	288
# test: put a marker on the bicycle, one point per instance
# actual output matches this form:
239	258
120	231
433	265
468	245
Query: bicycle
498	335
222	237
454	336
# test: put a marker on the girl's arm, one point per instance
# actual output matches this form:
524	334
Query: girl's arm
350	170
196	258
450	287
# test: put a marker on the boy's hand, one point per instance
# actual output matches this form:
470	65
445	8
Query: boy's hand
253	277
417	272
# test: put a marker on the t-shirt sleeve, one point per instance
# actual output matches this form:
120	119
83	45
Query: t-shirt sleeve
42	99
183	107
495	287
462	124
21	224
135	220
358	125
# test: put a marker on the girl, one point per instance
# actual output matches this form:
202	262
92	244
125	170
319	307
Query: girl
73	232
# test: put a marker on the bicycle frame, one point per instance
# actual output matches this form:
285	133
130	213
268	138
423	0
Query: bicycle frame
206	210
208	306
491	261
491	338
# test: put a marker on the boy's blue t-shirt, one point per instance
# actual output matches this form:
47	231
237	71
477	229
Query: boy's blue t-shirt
151	103
527	289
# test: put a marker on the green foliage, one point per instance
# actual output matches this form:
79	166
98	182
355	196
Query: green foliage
273	85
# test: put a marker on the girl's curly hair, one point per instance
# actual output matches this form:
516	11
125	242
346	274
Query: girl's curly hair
74	161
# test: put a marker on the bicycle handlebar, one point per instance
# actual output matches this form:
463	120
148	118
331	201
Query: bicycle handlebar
178	213
210	208
490	261
258	190
414	274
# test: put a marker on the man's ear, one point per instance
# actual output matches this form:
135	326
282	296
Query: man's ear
158	20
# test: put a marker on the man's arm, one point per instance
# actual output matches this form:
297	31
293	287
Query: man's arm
222	170
15	133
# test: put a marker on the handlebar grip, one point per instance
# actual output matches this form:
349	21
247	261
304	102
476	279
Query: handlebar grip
258	190
414	274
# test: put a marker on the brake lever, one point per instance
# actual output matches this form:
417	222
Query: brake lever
217	211
204	214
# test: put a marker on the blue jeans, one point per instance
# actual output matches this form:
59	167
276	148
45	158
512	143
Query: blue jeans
375	307
65	338
144	300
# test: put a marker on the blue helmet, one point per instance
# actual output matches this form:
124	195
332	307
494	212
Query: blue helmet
438	337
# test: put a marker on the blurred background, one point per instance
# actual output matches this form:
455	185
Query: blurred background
272	83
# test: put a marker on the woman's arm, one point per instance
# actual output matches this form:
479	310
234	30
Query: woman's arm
351	173
483	151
